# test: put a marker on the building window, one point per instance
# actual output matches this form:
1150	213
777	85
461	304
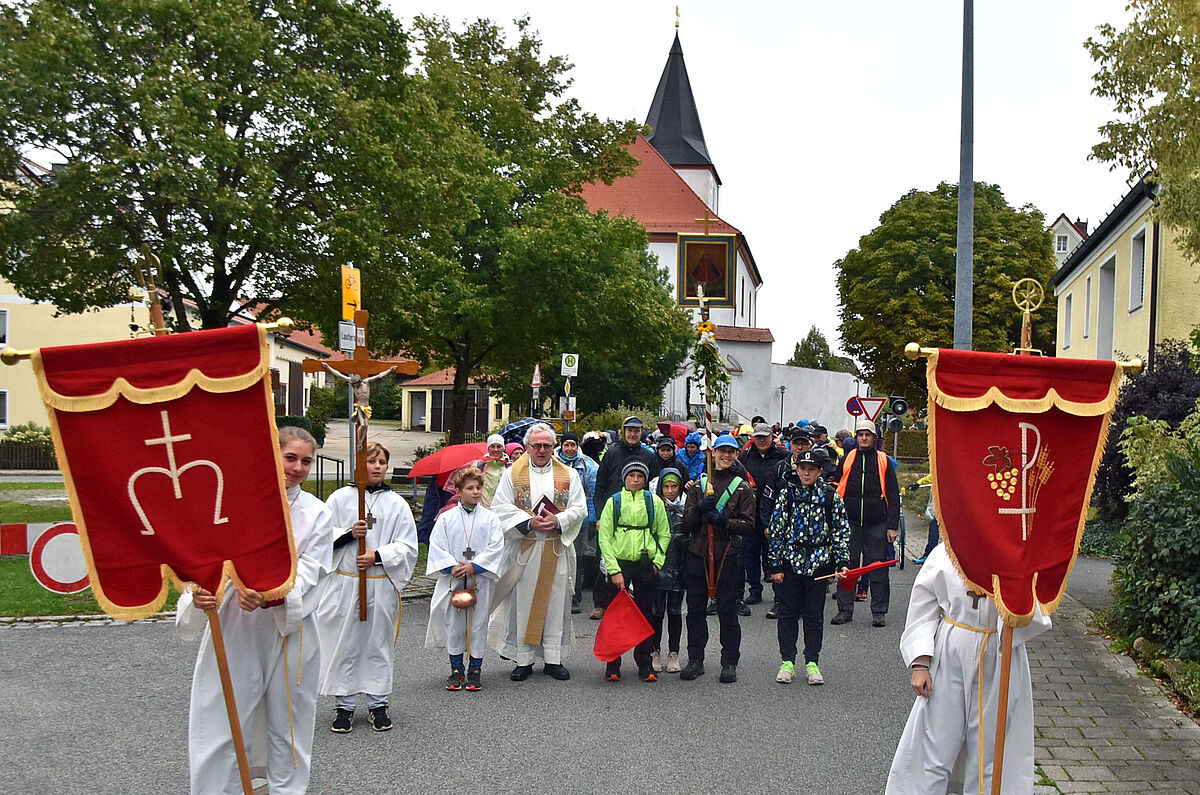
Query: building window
3	409
3	326
1087	307
1066	336
1137	270
1060	244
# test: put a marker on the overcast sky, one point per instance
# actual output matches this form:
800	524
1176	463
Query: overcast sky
820	115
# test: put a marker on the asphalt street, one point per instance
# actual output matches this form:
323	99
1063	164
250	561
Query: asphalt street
103	709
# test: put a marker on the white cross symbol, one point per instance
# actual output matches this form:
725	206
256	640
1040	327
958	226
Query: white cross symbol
174	471
168	440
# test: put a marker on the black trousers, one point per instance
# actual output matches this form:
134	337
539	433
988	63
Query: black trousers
800	597
670	606
868	543
729	583
642	579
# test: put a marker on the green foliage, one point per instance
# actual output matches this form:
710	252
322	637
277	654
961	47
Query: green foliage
255	146
610	419
297	421
30	433
1158	569
321	408
1100	539
813	351
386	398
1148	71
912	444
898	285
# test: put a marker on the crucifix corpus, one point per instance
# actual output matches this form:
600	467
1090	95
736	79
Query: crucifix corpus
358	372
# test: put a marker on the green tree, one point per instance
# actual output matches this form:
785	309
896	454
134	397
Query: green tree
1149	72
533	273
813	351
255	146
898	285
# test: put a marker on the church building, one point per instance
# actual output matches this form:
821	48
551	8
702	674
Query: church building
675	194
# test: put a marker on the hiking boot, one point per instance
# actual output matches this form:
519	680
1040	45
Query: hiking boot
742	608
711	610
597	614
646	674
693	669
774	611
342	721
455	680
556	671
656	660
814	674
787	670
728	674
521	673
878	620
379	720
474	680
576	609
754	598
612	671
673	663
843	617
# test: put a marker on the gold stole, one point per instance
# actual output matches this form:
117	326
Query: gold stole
552	547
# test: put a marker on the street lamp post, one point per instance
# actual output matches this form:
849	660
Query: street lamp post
782	389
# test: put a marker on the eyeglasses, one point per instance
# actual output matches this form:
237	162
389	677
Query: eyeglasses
542	446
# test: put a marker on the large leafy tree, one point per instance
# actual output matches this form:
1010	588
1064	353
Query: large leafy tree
532	272
898	285
813	351
254	144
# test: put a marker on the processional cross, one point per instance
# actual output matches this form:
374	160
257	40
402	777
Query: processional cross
359	371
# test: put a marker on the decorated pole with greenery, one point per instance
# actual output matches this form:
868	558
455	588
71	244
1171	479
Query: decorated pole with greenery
707	361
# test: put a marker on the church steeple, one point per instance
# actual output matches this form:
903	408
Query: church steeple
675	123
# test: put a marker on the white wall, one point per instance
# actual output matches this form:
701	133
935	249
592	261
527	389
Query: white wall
703	183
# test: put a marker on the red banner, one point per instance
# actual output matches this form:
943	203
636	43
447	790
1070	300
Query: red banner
1014	443
170	456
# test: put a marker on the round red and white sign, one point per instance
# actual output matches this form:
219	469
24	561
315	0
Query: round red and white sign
56	559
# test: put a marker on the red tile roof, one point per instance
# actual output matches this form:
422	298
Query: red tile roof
443	377
655	196
742	334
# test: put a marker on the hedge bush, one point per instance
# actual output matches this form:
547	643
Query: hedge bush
297	421
913	444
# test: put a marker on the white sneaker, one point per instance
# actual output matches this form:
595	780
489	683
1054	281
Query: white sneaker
656	661
787	670
673	666
814	674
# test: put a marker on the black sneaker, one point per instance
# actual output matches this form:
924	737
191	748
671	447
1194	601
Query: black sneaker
693	669
646	674
474	680
711	610
742	608
878	620
379	720
521	673
612	671
728	674
774	611
754	598
342	721
843	617
455	680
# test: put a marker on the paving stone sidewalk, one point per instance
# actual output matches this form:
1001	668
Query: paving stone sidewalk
1100	724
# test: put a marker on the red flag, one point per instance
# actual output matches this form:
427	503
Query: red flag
1014	442
622	628
852	575
170	458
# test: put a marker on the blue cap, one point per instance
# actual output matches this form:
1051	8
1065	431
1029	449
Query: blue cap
725	440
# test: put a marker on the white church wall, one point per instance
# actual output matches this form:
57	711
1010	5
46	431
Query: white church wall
703	184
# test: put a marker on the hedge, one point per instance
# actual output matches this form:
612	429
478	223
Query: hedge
913	444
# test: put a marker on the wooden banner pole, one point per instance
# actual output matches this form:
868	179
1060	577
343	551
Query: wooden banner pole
235	725
360	477
1006	642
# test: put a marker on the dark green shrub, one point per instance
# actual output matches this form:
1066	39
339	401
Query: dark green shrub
296	420
321	408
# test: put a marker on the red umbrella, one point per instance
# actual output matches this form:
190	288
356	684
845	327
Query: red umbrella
448	459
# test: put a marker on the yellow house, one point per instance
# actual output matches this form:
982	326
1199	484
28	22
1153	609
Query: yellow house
426	404
1127	287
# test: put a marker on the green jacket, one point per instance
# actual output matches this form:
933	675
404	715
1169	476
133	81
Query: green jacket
626	537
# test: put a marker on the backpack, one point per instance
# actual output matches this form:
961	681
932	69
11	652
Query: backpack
616	499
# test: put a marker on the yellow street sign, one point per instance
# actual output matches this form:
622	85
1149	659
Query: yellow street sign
351	292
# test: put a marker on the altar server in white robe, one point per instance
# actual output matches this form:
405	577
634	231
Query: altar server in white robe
273	651
465	549
541	505
951	642
358	654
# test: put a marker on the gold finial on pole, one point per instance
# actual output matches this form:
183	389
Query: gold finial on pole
676	17
1027	295
148	269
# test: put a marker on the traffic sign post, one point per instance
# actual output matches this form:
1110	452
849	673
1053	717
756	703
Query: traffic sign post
570	364
872	406
56	560
347	338
351	292
853	407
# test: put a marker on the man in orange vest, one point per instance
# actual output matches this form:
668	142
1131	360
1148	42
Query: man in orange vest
868	486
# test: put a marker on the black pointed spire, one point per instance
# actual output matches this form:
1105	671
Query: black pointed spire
673	119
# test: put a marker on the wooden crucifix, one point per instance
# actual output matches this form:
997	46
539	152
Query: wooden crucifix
358	372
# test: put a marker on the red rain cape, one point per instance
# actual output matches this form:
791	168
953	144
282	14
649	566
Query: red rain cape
852	575
1014	442
622	628
170	458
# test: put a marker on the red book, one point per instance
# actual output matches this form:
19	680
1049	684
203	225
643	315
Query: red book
545	507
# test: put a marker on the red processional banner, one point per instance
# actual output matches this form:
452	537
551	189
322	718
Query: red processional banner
1014	443
170	455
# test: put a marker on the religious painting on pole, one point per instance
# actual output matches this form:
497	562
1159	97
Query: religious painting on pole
708	262
170	458
1014	443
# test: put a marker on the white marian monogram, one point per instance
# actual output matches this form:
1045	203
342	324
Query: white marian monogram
1028	460
174	471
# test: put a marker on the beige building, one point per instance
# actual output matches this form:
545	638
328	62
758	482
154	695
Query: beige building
426	404
1127	287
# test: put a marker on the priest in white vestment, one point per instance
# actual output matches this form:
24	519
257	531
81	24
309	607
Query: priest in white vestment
541	506
954	638
274	657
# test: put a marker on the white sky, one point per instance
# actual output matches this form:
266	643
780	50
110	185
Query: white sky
820	115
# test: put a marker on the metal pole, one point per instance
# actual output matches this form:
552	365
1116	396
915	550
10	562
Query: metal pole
782	389
965	255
